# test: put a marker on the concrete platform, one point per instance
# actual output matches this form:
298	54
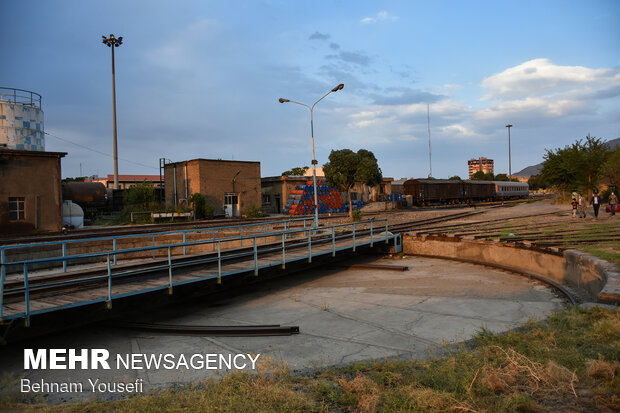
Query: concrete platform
344	315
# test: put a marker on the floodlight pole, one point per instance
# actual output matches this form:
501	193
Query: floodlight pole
113	42
509	158
314	161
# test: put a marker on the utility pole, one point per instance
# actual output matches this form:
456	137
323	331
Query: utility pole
509	159
430	158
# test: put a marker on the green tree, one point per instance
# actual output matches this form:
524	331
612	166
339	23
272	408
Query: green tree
501	177
579	166
455	178
536	182
199	203
141	196
481	176
346	167
299	171
610	170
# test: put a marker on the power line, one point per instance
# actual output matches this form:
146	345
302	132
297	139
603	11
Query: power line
99	152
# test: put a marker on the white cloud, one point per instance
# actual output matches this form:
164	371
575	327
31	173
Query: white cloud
540	77
534	95
381	16
533	107
457	130
538	92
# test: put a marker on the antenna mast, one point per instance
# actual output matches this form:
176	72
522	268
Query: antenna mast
430	153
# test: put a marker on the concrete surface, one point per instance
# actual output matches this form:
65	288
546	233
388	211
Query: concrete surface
344	315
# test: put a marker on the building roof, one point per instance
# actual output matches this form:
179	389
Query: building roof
23	152
211	160
134	177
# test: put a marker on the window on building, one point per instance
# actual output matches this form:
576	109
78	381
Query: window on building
266	199
16	208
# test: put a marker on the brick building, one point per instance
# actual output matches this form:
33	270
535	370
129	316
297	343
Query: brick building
481	164
229	186
30	194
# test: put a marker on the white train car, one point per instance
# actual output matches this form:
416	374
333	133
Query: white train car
504	190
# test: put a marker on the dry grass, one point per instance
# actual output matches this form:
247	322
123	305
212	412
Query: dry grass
569	362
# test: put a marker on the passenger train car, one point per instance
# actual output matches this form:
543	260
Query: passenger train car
505	190
445	191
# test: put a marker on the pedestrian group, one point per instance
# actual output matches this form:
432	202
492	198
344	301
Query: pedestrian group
579	205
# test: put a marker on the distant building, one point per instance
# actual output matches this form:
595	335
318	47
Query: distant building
30	195
127	181
229	186
481	164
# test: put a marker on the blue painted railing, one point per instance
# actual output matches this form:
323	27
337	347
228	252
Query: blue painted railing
325	233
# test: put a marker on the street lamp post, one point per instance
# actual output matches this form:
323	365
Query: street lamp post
509	159
113	42
314	161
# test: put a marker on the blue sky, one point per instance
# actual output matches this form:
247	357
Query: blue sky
203	78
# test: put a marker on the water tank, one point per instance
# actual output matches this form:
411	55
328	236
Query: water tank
21	120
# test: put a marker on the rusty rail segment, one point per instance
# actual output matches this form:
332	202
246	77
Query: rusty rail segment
220	331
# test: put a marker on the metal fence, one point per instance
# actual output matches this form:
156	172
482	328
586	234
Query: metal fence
303	236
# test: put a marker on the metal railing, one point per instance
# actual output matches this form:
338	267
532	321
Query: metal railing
21	96
153	235
324	235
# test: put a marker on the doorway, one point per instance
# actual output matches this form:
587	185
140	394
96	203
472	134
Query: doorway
278	203
231	205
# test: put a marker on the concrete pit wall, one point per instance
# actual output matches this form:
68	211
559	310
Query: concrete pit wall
593	278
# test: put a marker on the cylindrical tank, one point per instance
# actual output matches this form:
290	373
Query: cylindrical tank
21	120
86	194
72	215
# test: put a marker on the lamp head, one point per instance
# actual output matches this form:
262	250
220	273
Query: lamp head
509	126
337	88
282	100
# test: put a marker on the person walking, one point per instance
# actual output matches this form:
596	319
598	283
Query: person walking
574	205
596	204
613	200
582	206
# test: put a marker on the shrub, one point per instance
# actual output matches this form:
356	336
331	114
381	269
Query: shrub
200	207
254	212
357	215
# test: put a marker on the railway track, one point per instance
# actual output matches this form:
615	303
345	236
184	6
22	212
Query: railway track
453	228
88	278
67	282
42	285
214	223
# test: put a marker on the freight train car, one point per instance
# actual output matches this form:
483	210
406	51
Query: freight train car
444	191
478	190
427	191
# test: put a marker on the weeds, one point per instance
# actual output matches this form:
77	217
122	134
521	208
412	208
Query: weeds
569	362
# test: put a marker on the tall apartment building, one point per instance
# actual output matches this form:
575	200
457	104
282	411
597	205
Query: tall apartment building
481	164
